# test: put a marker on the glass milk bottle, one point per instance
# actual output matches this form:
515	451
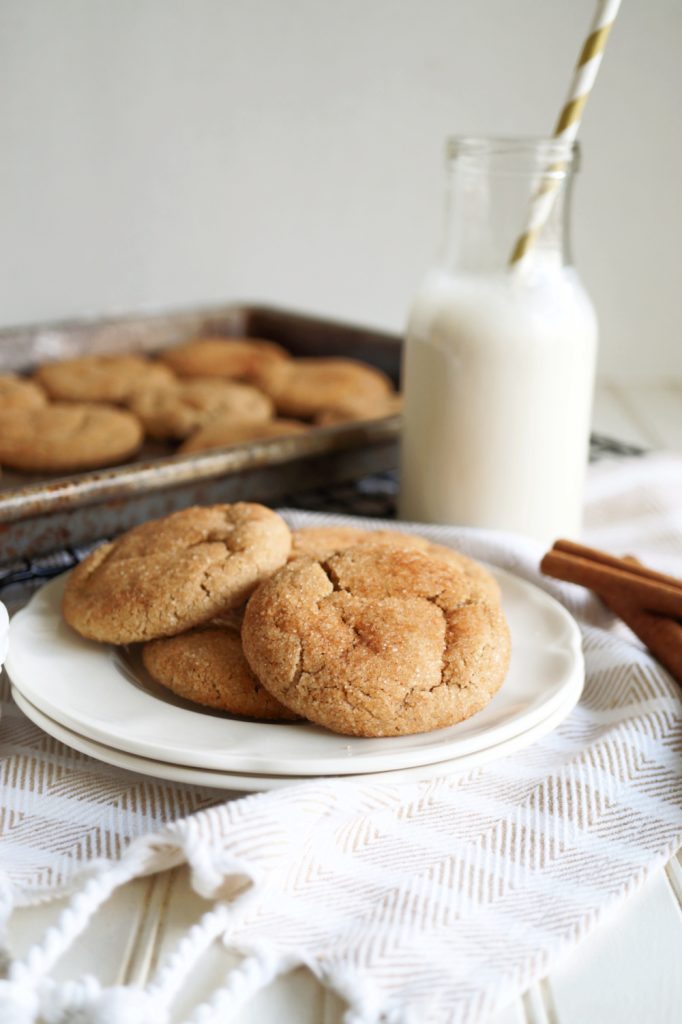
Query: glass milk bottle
498	366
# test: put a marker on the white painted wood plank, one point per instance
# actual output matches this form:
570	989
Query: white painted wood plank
628	970
334	1009
136	968
535	1005
513	1014
674	873
658	409
296	998
105	948
612	418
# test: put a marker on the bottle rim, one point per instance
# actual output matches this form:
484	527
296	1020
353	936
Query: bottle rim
555	156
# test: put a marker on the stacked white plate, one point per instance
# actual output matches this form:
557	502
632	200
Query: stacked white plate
98	699
4	633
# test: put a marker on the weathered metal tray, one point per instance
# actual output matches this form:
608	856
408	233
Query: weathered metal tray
38	516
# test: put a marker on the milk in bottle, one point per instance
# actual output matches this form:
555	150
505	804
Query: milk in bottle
499	361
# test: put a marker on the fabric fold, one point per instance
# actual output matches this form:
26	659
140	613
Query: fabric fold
436	900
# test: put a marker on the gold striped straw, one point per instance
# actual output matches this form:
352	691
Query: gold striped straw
568	123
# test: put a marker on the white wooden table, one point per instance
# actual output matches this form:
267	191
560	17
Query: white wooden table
629	971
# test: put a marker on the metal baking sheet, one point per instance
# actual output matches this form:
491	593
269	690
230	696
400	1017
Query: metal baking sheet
39	515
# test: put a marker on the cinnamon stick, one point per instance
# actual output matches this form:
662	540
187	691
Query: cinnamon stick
663	636
616	580
629	564
619	582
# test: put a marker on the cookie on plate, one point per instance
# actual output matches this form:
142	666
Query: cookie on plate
67	437
305	387
17	393
321	542
237	358
176	411
101	378
207	666
170	574
223	431
376	642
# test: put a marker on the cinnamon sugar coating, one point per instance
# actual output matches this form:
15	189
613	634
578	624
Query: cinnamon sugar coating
176	411
18	393
207	666
321	542
67	436
168	575
305	387
236	358
376	641
101	378
352	410
223	431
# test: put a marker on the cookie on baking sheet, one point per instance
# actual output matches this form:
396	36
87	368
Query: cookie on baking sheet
321	542
67	437
18	393
207	666
176	411
376	642
306	387
170	574
355	412
237	358
101	378
223	431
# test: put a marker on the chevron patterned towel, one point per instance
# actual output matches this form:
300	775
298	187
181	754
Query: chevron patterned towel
432	901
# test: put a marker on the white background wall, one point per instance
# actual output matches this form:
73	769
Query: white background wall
168	152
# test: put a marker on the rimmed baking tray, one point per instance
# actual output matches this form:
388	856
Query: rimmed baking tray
39	515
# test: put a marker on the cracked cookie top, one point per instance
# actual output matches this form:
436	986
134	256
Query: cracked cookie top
321	542
168	575
376	641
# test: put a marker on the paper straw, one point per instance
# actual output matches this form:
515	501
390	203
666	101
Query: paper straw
569	122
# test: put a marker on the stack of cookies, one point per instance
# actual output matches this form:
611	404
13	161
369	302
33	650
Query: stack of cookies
96	411
364	633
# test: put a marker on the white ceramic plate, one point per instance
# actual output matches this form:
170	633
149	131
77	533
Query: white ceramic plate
4	633
93	691
246	783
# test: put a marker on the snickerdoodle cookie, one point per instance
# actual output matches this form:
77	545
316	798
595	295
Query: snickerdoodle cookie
67	437
17	393
101	378
321	542
174	412
352	411
238	358
168	575
306	387
376	641
207	666
223	431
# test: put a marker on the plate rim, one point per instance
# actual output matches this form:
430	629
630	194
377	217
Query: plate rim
349	764
246	782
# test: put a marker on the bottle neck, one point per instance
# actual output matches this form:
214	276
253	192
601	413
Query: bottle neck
495	189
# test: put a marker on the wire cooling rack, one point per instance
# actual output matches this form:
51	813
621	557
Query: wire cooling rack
370	496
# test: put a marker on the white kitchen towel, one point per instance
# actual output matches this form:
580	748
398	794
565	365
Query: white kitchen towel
434	901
